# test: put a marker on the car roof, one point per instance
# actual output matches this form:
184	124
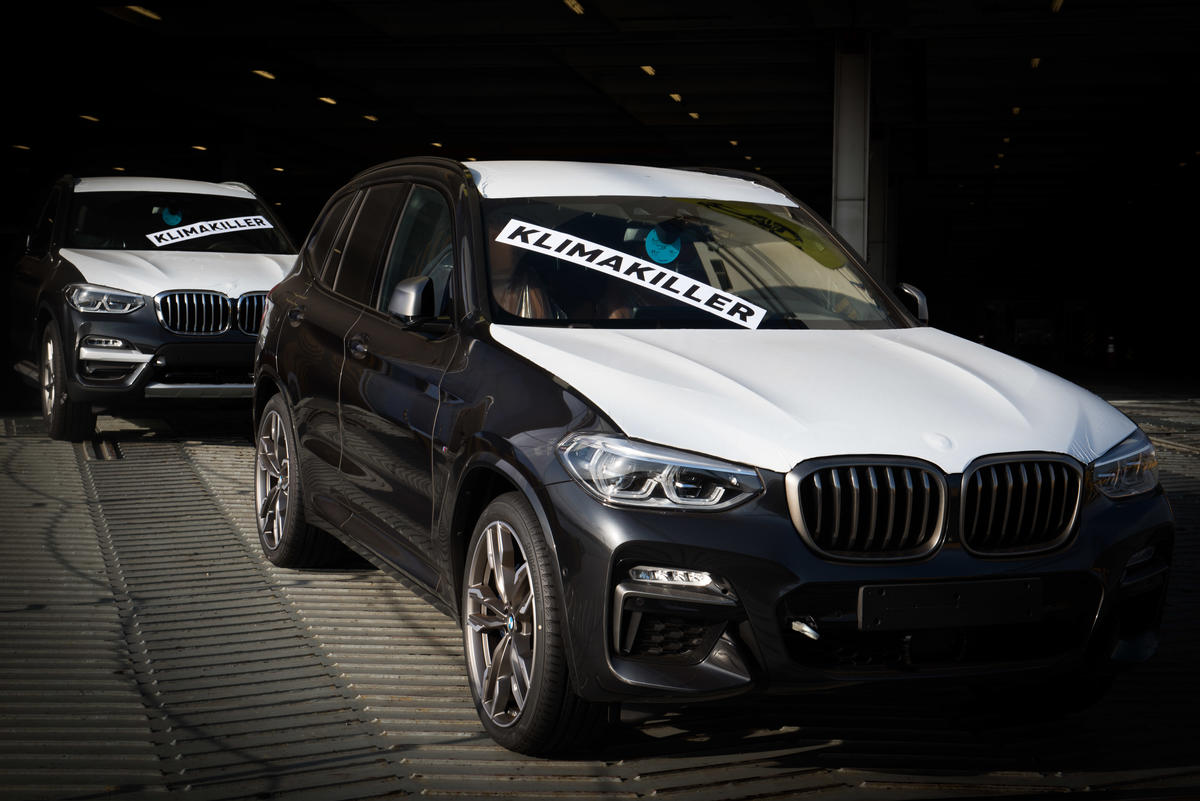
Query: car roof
122	183
509	179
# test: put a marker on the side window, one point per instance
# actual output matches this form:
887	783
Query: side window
360	261
423	245
43	230
320	241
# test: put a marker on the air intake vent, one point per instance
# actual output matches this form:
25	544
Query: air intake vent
890	509
194	312
250	312
1014	505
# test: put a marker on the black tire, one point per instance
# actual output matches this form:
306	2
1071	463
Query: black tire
286	539
65	419
517	665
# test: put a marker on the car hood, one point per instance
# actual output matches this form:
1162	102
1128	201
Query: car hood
148	272
774	398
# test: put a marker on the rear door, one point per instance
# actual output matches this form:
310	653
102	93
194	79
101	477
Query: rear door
309	355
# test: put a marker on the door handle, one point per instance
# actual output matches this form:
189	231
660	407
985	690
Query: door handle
358	347
295	315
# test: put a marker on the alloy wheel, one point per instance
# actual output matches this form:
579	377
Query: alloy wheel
49	395
501	623
271	478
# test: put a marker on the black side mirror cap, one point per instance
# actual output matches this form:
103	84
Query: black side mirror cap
412	300
922	304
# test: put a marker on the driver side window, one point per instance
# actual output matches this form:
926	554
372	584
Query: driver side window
423	245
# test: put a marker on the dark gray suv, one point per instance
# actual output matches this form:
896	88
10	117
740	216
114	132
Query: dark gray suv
655	435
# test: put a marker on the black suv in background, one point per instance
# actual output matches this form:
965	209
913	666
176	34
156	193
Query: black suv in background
141	288
656	435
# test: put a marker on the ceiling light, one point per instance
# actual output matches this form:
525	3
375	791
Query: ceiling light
277	169
758	169
747	158
1055	6
995	166
677	97
1016	110
436	144
277	203
328	100
999	155
370	118
1006	140
270	76
1034	63
89	118
199	147
646	68
22	147
695	115
733	142
119	169
472	158
574	6
145	12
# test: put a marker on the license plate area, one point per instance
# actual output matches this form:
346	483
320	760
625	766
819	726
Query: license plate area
957	604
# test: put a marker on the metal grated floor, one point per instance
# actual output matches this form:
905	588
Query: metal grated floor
151	651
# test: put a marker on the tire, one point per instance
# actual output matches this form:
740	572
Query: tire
65	419
512	621
286	539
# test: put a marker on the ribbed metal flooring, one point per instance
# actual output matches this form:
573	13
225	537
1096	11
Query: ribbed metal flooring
150	650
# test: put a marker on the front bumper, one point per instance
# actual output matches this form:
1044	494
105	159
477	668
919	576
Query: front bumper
791	620
118	359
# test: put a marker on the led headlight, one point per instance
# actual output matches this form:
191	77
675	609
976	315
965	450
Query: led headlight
88	298
1130	468
620	471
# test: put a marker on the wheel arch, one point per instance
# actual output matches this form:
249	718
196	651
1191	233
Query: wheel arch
488	476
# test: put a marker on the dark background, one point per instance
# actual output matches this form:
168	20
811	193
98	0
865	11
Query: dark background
1043	233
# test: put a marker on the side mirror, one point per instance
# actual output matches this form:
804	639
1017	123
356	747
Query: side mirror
922	304
412	300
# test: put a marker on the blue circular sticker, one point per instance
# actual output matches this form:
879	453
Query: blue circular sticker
662	252
170	217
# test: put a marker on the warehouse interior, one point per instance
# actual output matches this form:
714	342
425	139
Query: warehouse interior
1032	163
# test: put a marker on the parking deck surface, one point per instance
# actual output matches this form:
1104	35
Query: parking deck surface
149	650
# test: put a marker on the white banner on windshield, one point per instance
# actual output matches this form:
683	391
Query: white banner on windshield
181	233
628	268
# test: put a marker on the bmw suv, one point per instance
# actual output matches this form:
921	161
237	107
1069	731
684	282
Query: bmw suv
142	288
655	435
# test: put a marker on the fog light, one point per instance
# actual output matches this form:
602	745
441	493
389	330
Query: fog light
674	577
103	342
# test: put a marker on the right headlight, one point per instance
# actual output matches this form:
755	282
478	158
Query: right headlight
88	298
628	473
1130	468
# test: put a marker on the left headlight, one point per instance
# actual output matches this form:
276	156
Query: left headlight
1130	468
620	471
89	298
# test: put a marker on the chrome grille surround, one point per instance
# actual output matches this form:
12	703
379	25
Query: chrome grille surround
194	311
1019	503
250	308
868	508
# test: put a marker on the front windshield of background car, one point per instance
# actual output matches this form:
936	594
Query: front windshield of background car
671	263
172	221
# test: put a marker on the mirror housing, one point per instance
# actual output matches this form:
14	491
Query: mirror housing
412	300
922	303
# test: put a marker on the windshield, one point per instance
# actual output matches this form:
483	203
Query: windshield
664	262
172	221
